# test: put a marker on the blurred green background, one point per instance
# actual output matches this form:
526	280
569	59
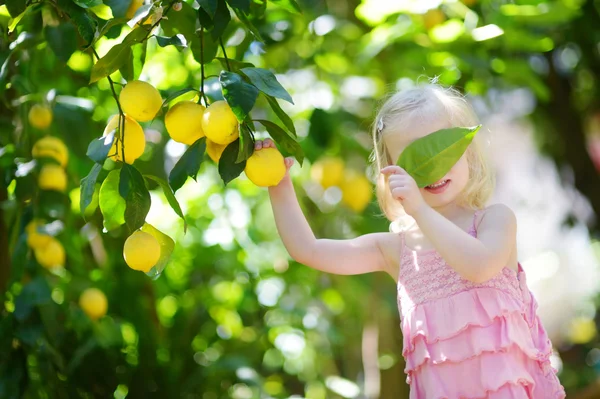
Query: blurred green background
232	316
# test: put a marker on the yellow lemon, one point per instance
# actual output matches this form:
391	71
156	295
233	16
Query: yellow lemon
220	124
214	150
50	255
582	330
184	122
133	6
36	239
40	116
52	177
135	141
356	191
433	18
265	167
328	171
141	251
94	303
51	147
140	100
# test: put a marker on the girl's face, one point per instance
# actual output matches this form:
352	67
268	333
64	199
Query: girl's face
454	182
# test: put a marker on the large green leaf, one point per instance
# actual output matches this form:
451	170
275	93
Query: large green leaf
179	41
62	40
99	148
166	249
289	5
210	6
36	292
240	95
117	56
246	147
182	21
243	5
287	142
248	24
83	21
221	19
132	188
112	205
287	121
88	186
188	164
87	3
15	7
266	82
135	63
229	169
429	158
204	48
170	197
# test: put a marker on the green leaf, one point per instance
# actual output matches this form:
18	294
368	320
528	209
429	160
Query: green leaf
88	186
287	121
110	24
99	148
119	8
288	5
266	82
87	3
117	56
166	249
210	48
429	158
132	188
206	21
240	95
170	197
188	164
228	168
134	65
112	205
85	24
235	64
210	6
176	94
221	20
287	142
15	7
182	21
246	147
34	293
62	40
248	24
102	11
243	5
139	15
178	41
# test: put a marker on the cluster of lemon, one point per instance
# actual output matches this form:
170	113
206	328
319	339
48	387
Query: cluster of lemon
47	250
356	188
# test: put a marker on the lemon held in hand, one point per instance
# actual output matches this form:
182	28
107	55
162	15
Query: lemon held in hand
141	251
51	147
184	122
266	167
51	255
135	141
40	116
52	177
94	303
220	124
140	100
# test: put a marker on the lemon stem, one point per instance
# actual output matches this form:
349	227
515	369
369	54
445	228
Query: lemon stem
202	66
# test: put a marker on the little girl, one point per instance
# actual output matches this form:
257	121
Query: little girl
468	318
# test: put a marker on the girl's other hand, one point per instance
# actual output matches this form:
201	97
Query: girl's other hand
404	188
269	143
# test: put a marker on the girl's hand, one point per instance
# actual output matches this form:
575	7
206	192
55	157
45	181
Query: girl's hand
268	143
404	188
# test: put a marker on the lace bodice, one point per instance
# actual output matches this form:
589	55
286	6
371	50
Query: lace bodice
425	276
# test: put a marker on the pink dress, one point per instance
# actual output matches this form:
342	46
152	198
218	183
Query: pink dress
468	340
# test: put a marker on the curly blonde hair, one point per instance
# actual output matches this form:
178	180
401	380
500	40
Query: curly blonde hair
424	101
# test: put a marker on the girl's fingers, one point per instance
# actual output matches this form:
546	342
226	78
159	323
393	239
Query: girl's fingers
258	144
268	143
393	170
289	161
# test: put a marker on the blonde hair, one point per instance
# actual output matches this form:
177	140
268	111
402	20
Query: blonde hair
430	100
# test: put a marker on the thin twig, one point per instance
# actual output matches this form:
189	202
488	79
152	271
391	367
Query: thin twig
224	54
202	66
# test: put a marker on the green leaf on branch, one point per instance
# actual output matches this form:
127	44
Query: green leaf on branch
117	56
210	48
229	169
139	15
221	19
288	5
210	6
15	7
176	94
170	197
188	164
134	65
287	121
246	147
34	293
132	187
87	3
88	186
429	158
112	205
266	82
248	24
287	142
178	41
99	148
83	21
166	248
110	24
182	21
62	40
240	95
206	21
243	5
235	64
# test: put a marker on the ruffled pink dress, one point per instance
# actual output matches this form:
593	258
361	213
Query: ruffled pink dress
467	340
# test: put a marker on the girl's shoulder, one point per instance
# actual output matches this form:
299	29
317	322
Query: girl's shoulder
495	215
